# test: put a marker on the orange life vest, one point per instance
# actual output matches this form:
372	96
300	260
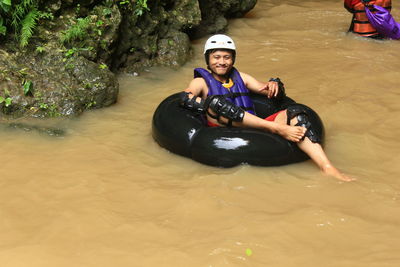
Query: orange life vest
360	23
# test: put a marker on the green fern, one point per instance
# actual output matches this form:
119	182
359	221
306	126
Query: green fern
5	5
27	26
18	13
21	16
77	31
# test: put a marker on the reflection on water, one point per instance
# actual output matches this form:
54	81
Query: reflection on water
105	194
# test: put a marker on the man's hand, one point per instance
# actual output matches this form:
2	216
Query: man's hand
270	89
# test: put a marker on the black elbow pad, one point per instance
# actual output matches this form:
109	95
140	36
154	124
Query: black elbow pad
224	108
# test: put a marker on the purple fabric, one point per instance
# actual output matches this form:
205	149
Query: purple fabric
383	22
215	88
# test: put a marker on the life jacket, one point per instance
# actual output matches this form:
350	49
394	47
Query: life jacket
237	94
360	23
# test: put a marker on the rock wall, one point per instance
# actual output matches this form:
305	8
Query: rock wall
70	63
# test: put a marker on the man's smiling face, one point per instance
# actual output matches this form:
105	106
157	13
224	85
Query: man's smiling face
221	62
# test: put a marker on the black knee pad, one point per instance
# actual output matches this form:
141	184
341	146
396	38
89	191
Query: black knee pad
302	116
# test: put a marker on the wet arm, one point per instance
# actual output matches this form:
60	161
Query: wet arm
192	96
270	88
196	89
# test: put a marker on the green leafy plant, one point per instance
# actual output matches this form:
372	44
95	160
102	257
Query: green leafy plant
71	52
74	50
49	109
138	6
90	104
107	12
78	31
122	3
21	16
78	8
5	5
40	49
28	23
141	7
3	28
6	100
103	66
28	87
43	106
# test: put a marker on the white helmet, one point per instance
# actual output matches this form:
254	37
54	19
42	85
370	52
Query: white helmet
219	41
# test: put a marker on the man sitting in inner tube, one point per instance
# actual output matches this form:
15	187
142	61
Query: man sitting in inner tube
223	96
360	23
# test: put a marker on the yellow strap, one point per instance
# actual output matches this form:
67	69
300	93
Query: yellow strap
229	84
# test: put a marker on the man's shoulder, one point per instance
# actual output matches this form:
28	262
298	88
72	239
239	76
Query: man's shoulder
244	76
198	87
199	82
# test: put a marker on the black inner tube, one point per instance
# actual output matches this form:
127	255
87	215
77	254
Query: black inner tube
185	133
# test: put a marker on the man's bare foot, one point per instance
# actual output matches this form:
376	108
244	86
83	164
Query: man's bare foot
291	133
332	171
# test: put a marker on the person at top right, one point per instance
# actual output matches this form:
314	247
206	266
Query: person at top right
360	23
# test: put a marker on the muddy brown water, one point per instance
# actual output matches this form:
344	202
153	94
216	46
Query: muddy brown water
107	195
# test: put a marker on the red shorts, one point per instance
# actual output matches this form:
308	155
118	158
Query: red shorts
269	118
273	116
